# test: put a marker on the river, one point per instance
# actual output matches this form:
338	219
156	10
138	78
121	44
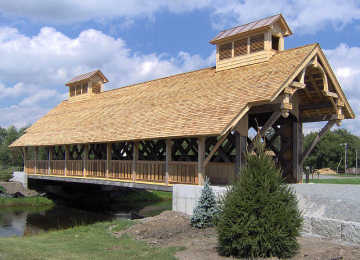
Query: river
31	221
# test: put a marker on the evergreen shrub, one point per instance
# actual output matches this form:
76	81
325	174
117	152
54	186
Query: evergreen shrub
259	215
206	209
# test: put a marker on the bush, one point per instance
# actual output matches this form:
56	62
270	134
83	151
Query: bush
259	215
206	208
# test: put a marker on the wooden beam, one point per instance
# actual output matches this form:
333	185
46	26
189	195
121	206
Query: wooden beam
85	159
317	138
108	159
201	157
215	148
167	159
66	158
36	152
318	118
50	157
135	159
25	150
273	118
240	147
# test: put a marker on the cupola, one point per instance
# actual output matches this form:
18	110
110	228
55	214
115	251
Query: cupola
250	43
86	85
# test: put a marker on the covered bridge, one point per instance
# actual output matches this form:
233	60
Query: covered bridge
182	128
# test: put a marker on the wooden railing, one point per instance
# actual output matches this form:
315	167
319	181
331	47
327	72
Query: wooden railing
183	172
121	169
42	167
30	166
74	168
220	173
96	168
149	171
57	167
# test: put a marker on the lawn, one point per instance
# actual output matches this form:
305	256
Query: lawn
84	242
347	180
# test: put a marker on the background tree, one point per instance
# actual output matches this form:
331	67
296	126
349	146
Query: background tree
259	215
10	157
329	151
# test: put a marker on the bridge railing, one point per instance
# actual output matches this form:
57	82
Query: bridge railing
149	171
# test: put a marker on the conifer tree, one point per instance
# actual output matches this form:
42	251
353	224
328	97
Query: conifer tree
206	208
259	215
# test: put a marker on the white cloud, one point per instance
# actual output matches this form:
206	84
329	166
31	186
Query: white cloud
36	68
304	16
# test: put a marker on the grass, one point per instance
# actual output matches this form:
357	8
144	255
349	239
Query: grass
26	202
346	180
84	242
132	196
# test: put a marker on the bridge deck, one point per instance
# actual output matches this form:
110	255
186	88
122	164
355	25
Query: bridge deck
103	181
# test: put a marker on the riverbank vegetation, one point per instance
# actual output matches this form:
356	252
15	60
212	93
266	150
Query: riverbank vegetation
94	241
25	202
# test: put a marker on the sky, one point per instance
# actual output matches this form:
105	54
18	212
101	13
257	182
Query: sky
43	44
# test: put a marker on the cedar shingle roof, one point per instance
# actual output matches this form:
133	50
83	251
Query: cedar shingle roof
202	102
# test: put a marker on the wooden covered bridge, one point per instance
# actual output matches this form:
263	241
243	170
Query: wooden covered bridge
182	128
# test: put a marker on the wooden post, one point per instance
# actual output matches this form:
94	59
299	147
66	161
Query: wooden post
135	159
201	158
296	137
240	147
66	158
85	159
25	149
36	151
108	159
168	159
50	157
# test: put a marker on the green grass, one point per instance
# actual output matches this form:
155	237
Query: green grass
132	196
26	202
84	242
347	180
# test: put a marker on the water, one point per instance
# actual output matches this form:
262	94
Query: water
31	221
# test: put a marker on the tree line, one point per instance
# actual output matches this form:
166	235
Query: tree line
329	152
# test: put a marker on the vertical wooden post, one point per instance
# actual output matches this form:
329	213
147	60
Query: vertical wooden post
36	151
135	159
85	159
201	158
168	159
25	157
240	147
50	157
296	153
66	158
108	159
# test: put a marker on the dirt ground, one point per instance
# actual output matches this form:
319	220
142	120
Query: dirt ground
173	229
13	187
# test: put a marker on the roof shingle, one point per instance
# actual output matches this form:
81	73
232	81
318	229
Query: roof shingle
196	103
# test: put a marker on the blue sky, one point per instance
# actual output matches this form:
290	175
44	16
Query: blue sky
45	43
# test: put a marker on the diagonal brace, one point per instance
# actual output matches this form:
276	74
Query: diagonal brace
317	138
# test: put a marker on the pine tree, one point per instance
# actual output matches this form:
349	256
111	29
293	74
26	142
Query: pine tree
259	215
206	208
